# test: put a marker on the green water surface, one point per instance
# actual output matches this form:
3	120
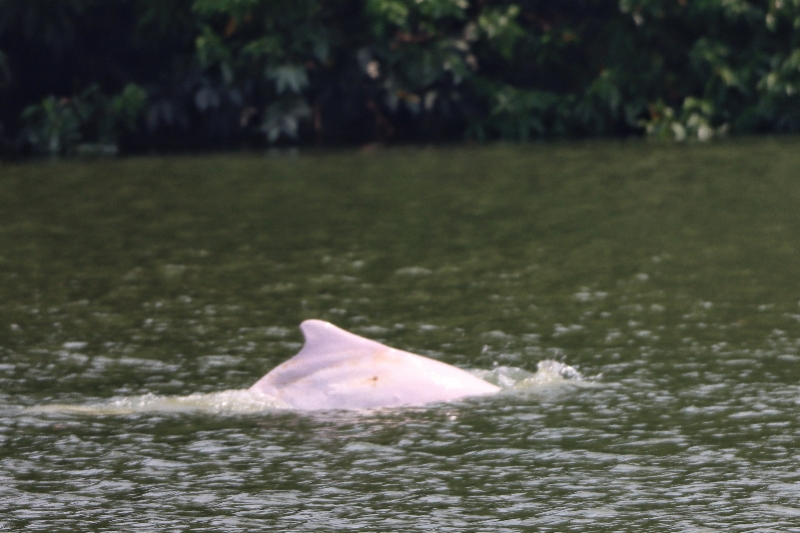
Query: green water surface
665	274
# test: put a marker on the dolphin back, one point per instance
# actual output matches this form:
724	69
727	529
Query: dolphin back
337	369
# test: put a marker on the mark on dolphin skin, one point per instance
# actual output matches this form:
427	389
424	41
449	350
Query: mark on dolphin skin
373	381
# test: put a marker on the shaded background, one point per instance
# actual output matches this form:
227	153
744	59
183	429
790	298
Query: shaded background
162	75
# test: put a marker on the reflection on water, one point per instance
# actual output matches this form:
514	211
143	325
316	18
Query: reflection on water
637	304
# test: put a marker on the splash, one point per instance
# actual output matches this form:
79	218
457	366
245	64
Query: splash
548	374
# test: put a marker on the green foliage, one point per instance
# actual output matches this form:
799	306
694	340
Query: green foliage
53	126
499	25
262	52
694	121
330	71
59	126
520	114
127	107
283	118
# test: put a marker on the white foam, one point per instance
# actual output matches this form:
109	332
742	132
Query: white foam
548	373
223	402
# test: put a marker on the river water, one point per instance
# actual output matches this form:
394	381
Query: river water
637	303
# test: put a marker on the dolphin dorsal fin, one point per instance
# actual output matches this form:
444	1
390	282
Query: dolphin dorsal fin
325	346
324	340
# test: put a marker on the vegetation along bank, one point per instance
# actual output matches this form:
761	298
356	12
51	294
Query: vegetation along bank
162	75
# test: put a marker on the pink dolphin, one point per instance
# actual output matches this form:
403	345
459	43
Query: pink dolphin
339	370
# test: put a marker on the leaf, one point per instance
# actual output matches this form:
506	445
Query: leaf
288	77
283	118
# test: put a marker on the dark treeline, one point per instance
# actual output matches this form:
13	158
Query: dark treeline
143	75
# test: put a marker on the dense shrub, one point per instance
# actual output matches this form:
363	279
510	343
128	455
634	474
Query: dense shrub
164	74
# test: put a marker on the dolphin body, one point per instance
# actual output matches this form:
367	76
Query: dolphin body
336	369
